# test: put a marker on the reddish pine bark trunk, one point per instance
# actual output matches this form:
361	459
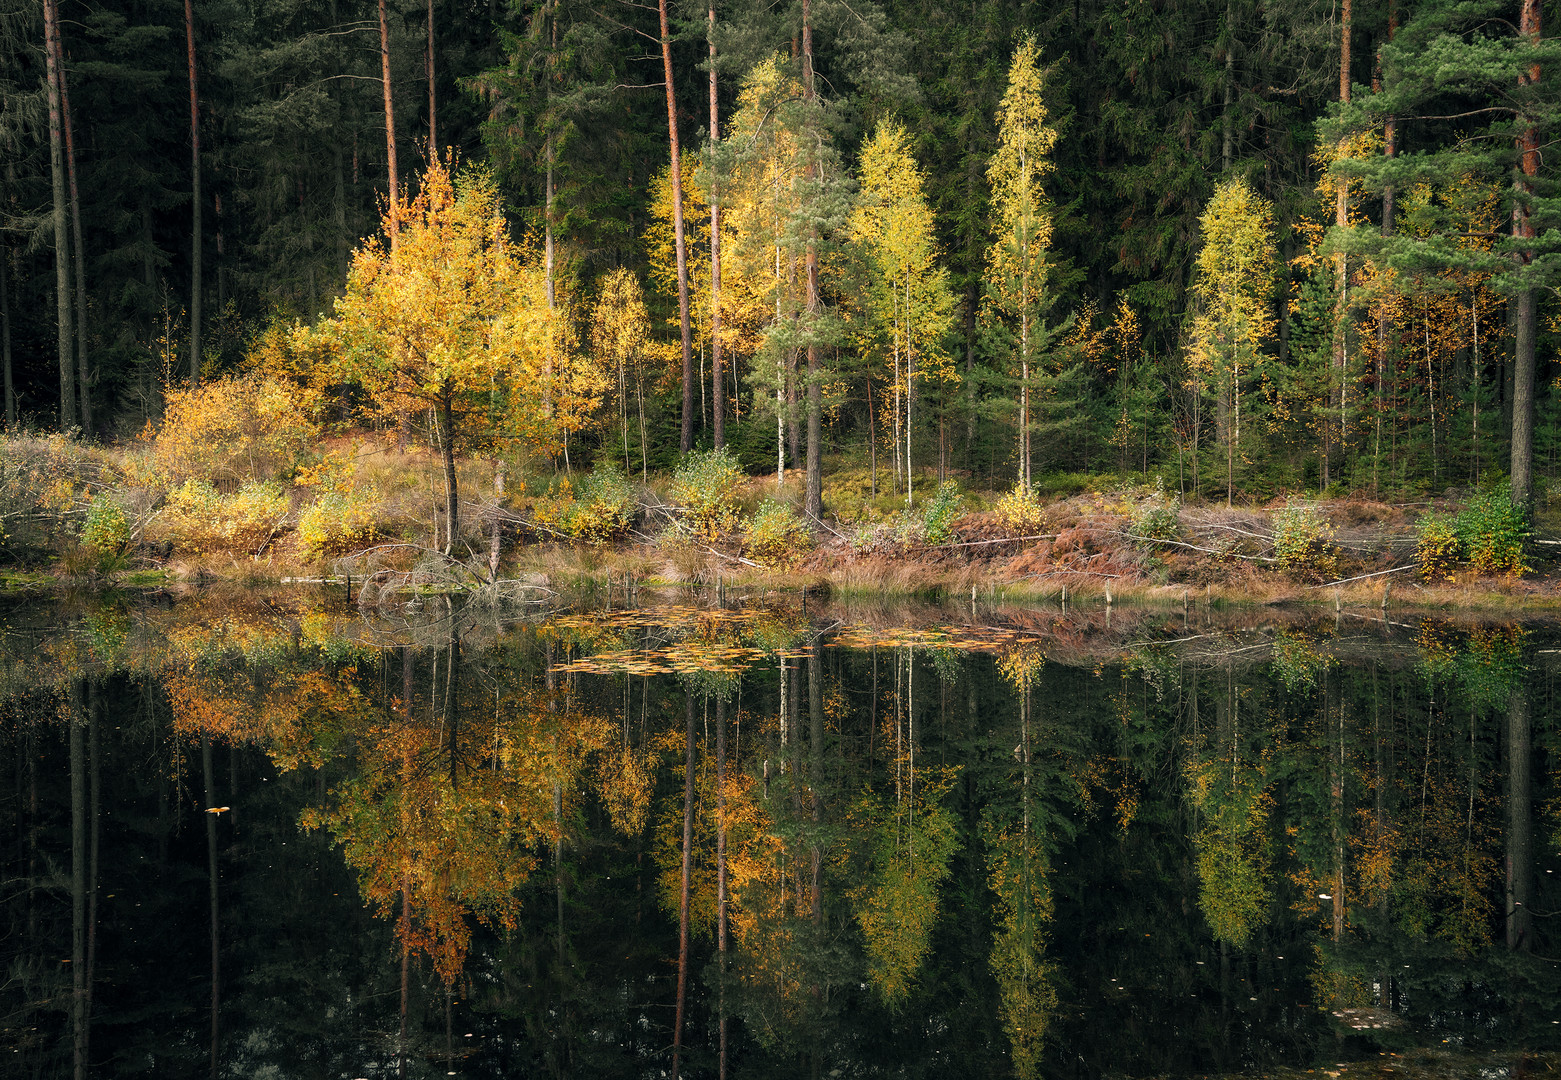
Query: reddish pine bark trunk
686	438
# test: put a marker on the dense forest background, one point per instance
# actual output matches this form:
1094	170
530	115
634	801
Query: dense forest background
1405	277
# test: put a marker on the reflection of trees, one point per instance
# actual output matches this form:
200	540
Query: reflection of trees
1019	867
1227	778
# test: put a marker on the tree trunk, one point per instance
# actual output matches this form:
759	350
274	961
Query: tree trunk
5	335
61	231
718	385
686	438
452	506
1341	219
83	372
1524	317
433	143
195	195
498	515
1519	858
813	493
688	868
390	125
94	835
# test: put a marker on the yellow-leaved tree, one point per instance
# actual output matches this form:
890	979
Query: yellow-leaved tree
1022	226
454	318
908	301
620	334
1234	318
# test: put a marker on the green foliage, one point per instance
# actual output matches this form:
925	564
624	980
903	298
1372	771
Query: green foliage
198	519
1303	542
337	521
939	515
1157	518
1439	548
1493	530
706	484
1019	511
106	530
777	537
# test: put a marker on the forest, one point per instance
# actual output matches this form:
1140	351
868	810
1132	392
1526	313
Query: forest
1239	249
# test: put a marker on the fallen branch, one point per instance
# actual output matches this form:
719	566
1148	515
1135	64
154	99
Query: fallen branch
1005	540
1363	577
1206	551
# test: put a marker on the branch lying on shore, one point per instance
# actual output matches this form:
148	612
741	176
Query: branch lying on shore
1004	540
1206	551
1363	577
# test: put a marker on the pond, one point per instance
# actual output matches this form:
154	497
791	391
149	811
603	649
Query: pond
274	835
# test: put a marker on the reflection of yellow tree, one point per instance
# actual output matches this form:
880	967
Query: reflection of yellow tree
1233	853
1019	868
911	842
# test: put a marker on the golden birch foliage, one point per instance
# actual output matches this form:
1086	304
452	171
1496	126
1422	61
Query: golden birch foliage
1235	276
763	194
456	315
620	325
1016	261
908	301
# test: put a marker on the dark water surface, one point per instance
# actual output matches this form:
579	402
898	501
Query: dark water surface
269	836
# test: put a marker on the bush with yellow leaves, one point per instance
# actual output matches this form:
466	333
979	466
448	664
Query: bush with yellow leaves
197	519
337	521
238	428
1019	510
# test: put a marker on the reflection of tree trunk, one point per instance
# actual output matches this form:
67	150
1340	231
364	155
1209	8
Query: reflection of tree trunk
211	877
816	777
406	958
1334	714
452	705
95	802
78	880
688	866
1518	811
720	867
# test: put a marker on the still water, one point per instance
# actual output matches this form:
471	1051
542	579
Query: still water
275	836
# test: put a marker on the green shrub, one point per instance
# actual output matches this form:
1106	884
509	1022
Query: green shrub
106	530
1439	549
1157	518
338	521
1019	511
939	515
603	507
777	537
706	484
1303	542
1493	529
197	519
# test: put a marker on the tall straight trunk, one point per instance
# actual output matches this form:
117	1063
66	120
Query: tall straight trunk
816	776
1524	308
83	373
1519	810
813	493
1341	219
1384	313
406	979
683	897
686	436
211	879
1228	118
195	194
720	871
390	125
78	882
717	384
433	143
5	335
61	231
